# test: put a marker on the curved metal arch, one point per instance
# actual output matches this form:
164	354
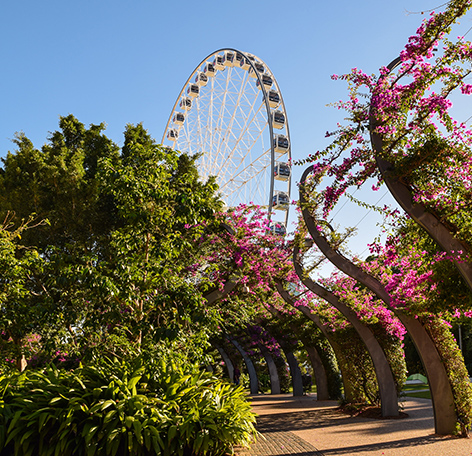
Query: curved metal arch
295	372
445	417
227	360
319	371
268	114
385	380
321	378
253	380
348	392
403	195
273	373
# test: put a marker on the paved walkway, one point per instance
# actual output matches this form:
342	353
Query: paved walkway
302	426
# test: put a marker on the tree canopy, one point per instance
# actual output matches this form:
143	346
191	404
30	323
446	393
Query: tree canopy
115	229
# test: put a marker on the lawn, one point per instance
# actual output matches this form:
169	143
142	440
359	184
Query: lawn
426	394
420	390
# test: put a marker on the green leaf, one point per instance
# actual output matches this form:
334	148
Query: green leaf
26	435
197	443
133	382
130	442
107	404
129	420
137	430
115	447
147	439
109	416
172	432
15	419
43	419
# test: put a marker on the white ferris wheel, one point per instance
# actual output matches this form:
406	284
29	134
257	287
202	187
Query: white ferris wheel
231	111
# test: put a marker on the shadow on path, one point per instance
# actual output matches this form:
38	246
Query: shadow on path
304	427
390	445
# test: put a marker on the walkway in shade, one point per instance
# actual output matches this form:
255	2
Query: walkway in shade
301	426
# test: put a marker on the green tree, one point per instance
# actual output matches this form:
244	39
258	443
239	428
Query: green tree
20	310
159	200
59	183
122	227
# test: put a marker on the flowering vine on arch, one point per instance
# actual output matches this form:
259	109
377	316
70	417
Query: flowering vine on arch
429	154
429	149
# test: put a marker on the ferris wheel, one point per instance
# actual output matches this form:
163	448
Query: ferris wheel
231	111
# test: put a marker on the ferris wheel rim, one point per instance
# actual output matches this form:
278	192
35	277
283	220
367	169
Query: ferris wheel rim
249	59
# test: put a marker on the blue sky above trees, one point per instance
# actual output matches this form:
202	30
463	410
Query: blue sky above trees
123	62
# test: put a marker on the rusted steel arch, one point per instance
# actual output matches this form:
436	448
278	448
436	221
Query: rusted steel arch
403	195
387	386
348	393
445	417
253	381
321	379
273	374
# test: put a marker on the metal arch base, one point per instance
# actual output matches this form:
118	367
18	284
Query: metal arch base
348	393
321	378
253	381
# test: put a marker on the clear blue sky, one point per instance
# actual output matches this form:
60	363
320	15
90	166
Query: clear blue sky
123	62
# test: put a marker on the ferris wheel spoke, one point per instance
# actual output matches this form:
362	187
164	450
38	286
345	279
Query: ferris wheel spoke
246	131
256	192
236	109
246	137
257	163
247	119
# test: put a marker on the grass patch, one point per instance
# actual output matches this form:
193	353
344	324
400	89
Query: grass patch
415	386
421	394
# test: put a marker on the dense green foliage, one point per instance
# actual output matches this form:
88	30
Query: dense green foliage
109	253
456	370
359	369
144	407
94	254
115	246
23	313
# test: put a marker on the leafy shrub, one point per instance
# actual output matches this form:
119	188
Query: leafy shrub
121	409
359	372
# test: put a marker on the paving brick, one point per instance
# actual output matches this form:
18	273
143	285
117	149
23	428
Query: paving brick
293	425
280	443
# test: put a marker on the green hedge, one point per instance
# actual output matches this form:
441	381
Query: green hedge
458	375
118	409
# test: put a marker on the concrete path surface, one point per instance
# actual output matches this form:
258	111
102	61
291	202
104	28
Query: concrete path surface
303	426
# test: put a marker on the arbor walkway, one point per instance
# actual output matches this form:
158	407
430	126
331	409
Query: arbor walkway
302	426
